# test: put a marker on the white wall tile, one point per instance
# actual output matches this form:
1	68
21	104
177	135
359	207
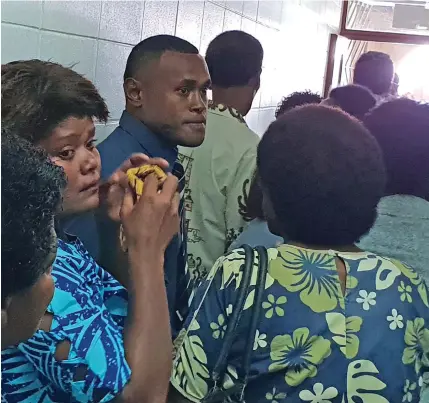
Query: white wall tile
27	13
248	26
159	18
190	21
270	13
266	117
75	17
232	21
212	24
236	6
111	61
250	9
18	43
69	50
122	21
252	119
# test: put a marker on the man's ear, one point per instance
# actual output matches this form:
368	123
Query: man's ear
255	83
132	91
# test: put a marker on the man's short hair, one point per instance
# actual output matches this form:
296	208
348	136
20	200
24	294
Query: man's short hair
31	194
401	127
374	70
297	99
36	96
152	49
233	58
324	174
354	99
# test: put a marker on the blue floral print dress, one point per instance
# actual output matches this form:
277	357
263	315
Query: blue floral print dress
314	343
89	308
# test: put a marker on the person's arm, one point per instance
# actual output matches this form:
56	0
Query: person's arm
147	338
237	192
138	363
149	225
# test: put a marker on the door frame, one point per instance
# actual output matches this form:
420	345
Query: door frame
361	35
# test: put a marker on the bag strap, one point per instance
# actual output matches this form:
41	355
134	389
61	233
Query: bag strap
220	367
256	311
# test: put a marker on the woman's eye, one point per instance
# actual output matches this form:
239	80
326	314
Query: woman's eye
184	91
66	154
91	144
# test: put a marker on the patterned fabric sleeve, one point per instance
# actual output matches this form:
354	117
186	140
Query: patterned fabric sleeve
238	190
199	343
96	369
89	308
413	290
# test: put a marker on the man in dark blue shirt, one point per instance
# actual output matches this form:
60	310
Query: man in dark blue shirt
165	86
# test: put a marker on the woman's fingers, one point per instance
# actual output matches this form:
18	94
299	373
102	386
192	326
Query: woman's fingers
169	187
136	160
127	204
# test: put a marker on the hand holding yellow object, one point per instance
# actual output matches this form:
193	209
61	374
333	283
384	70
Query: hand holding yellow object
136	177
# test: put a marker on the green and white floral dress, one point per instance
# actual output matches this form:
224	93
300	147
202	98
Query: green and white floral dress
313	343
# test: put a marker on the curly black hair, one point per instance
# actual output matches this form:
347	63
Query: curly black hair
297	99
31	194
36	96
233	58
375	71
401	127
354	99
324	174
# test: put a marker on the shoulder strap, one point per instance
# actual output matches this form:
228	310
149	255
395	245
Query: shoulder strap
256	310
221	364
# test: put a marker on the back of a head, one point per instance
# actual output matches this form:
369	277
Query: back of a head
31	195
234	58
152	48
374	70
356	100
297	99
401	127
37	95
324	174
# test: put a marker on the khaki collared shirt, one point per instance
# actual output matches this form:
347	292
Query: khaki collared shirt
218	176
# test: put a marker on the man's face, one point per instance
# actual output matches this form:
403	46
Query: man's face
173	96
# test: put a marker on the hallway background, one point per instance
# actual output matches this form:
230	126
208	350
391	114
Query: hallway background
96	37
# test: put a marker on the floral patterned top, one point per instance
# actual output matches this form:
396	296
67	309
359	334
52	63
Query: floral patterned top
313	343
89	308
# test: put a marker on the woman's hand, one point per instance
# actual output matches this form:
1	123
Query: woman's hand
151	222
112	192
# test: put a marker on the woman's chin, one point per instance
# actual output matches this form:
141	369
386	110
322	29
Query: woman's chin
82	206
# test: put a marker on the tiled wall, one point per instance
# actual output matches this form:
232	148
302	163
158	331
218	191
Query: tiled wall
97	36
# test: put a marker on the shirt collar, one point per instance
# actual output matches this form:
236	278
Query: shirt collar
152	144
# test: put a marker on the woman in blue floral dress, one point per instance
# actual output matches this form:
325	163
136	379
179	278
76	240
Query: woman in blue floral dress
337	324
84	350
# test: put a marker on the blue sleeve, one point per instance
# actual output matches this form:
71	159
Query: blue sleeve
89	309
96	369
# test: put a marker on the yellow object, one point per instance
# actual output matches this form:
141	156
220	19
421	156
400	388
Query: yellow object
136	176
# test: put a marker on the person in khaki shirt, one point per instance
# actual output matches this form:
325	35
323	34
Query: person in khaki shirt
219	172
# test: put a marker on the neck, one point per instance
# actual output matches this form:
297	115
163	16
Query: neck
342	248
234	97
